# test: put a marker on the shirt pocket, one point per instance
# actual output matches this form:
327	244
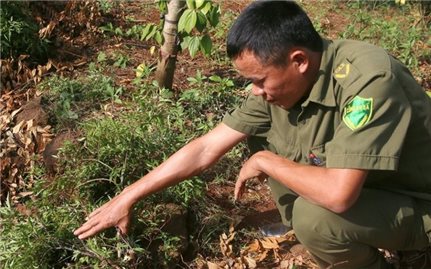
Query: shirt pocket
317	156
286	148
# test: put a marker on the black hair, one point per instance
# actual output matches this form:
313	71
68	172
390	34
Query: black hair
269	29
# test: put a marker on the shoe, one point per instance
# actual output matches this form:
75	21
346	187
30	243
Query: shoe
277	229
415	259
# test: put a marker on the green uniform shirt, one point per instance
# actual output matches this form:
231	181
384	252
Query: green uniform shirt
365	111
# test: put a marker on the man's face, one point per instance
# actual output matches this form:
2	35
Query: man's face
281	86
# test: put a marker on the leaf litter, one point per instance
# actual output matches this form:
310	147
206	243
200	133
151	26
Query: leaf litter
20	146
282	252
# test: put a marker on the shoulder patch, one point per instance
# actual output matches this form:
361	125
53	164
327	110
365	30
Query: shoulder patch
342	70
358	112
346	74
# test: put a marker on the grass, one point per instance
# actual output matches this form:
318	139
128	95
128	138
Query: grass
124	133
112	153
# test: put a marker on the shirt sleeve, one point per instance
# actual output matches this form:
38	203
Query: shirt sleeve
374	123
252	117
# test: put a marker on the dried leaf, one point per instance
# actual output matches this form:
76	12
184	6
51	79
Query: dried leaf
212	265
46	31
29	124
269	243
254	247
25	193
263	256
17	127
286	264
225	248
251	263
12	115
27	140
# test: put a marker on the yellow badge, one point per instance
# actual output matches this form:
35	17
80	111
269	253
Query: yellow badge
342	70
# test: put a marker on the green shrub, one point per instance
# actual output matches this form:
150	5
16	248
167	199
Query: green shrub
68	99
19	33
40	240
403	37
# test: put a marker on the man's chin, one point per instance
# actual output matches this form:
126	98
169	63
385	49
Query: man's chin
275	103
282	106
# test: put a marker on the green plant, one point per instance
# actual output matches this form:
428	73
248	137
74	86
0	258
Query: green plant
141	32
396	36
101	57
143	71
68	98
105	5
19	33
121	60
198	15
111	29
146	32
44	231
199	78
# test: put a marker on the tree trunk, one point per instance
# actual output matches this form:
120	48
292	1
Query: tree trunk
168	52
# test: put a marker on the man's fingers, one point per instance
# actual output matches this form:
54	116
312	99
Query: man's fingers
122	228
88	233
93	224
94	213
100	209
89	229
239	189
85	227
124	225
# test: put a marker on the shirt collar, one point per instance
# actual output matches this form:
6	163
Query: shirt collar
322	91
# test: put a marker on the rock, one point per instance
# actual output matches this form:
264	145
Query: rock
33	110
51	150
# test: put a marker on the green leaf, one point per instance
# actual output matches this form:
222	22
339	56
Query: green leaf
194	46
183	19
206	8
191	4
199	3
145	31
140	70
191	21
101	57
108	28
214	16
215	78
185	42
206	45
118	31
201	21
152	32
158	37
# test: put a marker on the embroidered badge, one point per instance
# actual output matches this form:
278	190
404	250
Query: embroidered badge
358	112
342	70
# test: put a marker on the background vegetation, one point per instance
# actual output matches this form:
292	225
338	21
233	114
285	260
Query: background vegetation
101	122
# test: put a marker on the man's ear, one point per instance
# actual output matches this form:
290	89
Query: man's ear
300	60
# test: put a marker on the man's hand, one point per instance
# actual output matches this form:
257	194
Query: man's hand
249	170
115	213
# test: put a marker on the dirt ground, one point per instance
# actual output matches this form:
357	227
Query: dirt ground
73	55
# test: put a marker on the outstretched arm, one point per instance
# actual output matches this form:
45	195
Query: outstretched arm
190	160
